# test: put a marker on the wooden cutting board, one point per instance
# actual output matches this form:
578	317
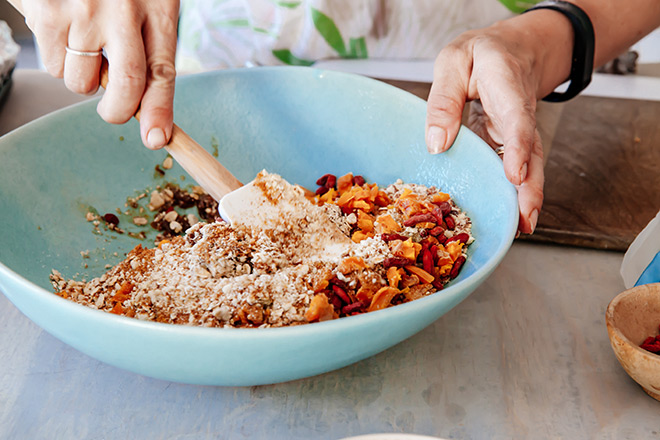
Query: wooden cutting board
602	172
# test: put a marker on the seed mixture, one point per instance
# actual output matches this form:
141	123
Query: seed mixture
160	213
350	248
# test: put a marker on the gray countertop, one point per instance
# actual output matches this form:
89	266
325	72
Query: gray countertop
525	356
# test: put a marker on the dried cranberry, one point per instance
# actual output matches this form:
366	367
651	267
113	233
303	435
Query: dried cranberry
339	283
427	261
420	218
396	262
355	307
341	294
458	264
445	207
437	231
393	236
323	179
347	210
651	344
336	302
358	180
111	218
438	284
463	237
437	213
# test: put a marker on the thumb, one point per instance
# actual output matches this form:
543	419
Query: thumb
449	92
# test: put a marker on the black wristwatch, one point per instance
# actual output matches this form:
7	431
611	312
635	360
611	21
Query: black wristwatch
583	48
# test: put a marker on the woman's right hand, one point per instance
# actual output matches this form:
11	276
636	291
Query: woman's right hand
139	40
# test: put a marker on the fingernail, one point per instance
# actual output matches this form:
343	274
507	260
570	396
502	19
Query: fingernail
533	218
436	139
523	173
156	138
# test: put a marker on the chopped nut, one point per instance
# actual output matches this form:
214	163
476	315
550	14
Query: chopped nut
156	201
140	221
168	195
167	163
176	226
171	216
192	219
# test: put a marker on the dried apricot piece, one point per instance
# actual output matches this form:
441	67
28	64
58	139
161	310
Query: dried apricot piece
345	182
123	293
454	248
382	298
351	264
319	309
407	249
423	275
329	196
365	221
393	276
382	199
386	224
440	197
358	236
365	293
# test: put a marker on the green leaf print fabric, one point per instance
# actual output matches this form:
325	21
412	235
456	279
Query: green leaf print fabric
519	6
328	30
236	33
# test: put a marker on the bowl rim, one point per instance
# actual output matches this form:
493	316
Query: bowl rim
458	290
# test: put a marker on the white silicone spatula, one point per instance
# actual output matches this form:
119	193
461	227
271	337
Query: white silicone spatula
249	206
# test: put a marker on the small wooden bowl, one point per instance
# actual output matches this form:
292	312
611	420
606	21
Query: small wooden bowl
631	317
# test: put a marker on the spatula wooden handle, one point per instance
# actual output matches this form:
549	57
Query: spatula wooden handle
199	163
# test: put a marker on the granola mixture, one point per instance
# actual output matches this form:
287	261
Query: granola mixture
350	248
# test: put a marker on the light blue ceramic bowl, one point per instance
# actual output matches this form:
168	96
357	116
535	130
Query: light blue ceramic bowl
298	122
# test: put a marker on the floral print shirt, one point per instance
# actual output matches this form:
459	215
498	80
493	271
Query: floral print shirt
235	33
